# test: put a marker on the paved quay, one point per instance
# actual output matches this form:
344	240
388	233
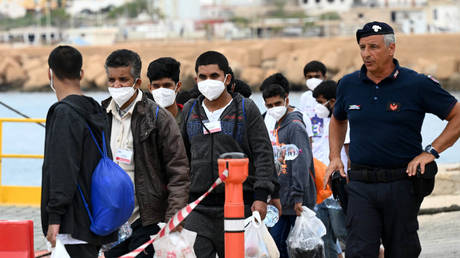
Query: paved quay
439	233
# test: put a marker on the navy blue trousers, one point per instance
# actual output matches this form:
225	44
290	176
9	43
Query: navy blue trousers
280	232
382	213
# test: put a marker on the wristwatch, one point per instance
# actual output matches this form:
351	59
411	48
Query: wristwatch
432	150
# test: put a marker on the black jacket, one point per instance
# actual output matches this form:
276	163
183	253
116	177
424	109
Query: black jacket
70	159
243	130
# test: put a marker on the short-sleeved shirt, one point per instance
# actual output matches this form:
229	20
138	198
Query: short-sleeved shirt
386	118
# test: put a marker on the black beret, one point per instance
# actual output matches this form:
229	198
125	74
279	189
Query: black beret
374	28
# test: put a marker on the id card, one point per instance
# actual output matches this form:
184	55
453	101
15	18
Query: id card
213	127
124	156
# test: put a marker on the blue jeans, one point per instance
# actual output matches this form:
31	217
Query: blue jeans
334	221
280	232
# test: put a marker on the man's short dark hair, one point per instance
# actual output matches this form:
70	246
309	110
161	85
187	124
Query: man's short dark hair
66	62
274	90
276	78
327	89
243	88
314	66
125	58
213	57
164	67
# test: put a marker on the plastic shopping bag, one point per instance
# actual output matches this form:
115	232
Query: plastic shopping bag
304	240
176	244
254	244
59	251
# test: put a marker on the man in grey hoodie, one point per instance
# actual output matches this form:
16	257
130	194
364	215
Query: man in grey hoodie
296	176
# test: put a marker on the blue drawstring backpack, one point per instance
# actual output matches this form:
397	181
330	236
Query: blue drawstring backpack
112	194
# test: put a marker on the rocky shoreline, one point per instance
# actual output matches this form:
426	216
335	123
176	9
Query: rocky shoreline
25	68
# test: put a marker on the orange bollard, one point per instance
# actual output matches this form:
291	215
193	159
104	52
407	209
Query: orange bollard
237	165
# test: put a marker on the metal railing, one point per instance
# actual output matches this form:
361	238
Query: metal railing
28	195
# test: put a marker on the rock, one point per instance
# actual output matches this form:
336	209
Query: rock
37	79
252	75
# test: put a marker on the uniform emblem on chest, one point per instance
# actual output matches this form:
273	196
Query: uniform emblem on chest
354	107
393	106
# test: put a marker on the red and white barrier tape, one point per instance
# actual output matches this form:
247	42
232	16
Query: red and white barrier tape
177	218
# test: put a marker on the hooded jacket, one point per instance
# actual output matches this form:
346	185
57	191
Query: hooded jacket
296	183
70	159
243	130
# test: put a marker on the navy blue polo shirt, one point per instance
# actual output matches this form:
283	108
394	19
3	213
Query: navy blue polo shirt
386	118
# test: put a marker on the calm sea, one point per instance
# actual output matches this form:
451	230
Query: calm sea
25	138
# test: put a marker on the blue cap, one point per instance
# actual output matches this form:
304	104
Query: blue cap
374	28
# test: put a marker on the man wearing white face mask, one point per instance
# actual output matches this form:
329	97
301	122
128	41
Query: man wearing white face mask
218	122
146	142
163	74
297	187
332	217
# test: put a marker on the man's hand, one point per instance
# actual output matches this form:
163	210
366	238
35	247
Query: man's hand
178	228
298	208
334	165
277	204
421	160
53	230
261	207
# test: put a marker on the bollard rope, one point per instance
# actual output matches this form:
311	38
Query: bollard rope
177	218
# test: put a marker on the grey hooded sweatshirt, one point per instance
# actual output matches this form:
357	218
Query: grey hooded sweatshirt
296	183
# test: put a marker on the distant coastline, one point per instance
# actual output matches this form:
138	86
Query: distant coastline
25	68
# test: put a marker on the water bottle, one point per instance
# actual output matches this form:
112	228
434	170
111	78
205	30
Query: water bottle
272	216
332	204
124	232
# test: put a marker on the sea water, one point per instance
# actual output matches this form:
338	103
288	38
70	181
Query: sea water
28	138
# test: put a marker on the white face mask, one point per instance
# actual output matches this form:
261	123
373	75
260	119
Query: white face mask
52	81
322	111
312	83
122	94
212	89
277	112
164	97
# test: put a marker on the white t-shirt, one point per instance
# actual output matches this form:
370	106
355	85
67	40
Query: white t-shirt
307	104
321	144
215	115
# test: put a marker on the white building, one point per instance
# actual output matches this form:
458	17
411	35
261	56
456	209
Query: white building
12	9
392	3
410	21
443	16
321	6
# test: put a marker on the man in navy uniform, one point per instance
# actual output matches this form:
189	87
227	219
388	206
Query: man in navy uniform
385	105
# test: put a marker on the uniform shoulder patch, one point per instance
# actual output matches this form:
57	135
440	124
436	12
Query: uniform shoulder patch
433	79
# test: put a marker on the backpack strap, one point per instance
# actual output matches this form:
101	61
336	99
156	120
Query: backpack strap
244	111
156	112
86	204
104	151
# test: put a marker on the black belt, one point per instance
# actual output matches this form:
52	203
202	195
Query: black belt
376	175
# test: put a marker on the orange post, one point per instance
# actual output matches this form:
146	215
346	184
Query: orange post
237	165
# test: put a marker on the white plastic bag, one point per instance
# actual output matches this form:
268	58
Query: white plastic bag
176	244
258	242
304	240
59	251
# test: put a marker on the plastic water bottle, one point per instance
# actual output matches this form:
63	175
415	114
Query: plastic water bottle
272	216
291	151
332	204
124	232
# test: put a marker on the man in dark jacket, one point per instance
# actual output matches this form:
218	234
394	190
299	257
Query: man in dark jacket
147	144
215	123
296	174
70	157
